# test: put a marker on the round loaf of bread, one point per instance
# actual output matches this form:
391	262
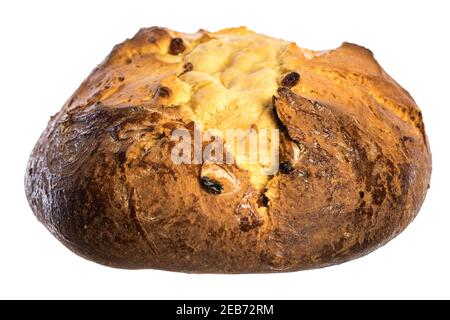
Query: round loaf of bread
353	161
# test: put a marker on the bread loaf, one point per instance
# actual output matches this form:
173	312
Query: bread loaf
353	164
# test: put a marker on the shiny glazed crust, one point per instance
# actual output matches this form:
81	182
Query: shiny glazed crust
101	179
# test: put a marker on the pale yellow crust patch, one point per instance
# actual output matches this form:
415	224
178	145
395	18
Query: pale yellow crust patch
234	77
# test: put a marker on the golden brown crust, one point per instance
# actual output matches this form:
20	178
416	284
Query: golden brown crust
101	179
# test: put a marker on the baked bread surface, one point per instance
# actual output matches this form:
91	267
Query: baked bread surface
354	159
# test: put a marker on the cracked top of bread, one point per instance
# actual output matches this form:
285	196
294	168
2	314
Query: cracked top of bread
354	159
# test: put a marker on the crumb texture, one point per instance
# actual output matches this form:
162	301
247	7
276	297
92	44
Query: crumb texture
234	79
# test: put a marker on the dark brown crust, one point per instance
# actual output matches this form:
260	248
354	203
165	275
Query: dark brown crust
101	180
351	190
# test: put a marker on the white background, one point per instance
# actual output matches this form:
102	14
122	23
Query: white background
48	47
